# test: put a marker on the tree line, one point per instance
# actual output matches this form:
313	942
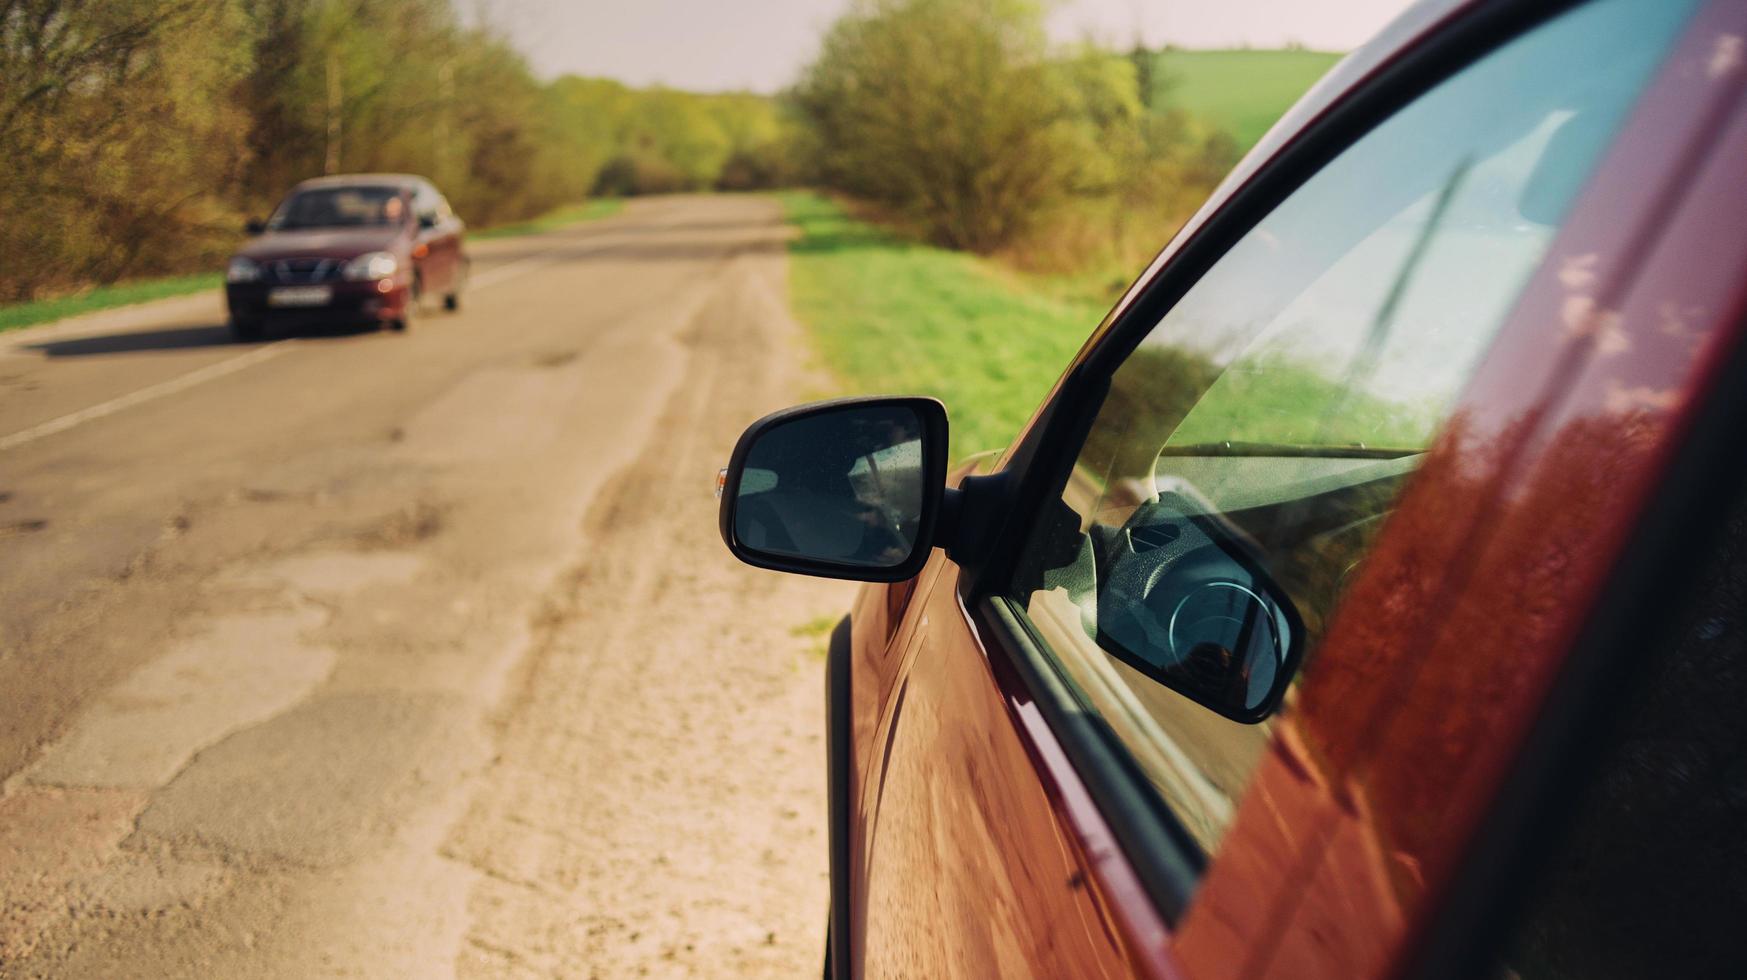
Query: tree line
138	135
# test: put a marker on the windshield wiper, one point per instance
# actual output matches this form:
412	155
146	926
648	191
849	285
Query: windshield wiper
1356	450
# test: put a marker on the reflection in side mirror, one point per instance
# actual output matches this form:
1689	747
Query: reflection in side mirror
844	489
1184	601
427	221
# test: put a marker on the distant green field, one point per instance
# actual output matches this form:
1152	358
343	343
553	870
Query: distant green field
1243	92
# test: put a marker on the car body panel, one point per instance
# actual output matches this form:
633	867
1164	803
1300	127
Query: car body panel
977	848
351	302
963	799
338	244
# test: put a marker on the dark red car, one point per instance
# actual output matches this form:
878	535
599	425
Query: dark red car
1369	597
359	248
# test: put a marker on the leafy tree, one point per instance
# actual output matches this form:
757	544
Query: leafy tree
115	119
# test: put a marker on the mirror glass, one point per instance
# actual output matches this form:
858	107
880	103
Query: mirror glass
844	486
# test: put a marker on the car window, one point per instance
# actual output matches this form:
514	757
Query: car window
1252	446
339	207
1649	877
424	203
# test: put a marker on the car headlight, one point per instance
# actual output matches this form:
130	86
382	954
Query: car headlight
243	270
371	265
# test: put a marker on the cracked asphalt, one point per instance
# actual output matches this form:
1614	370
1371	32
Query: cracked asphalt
373	655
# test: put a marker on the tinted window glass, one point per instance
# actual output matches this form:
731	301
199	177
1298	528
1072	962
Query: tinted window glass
338	207
1650	878
1251	448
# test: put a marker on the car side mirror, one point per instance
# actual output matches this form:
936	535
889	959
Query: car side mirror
427	221
847	489
254	226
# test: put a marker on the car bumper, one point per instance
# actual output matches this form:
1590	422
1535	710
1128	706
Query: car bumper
349	301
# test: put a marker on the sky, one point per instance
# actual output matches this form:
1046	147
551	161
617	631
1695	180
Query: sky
761	45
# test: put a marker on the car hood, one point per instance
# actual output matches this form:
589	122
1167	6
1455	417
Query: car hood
328	243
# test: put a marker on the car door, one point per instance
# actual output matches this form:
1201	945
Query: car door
1118	740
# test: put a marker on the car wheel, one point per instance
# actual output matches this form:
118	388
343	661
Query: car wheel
452	299
245	330
413	301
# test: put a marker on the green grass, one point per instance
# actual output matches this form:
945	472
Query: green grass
890	316
103	298
569	214
1242	92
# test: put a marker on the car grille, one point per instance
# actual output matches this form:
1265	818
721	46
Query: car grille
304	270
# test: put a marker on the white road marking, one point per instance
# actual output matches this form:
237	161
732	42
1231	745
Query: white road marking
140	397
223	368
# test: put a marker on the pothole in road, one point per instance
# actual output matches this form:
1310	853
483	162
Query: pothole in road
405	527
241	670
557	358
14	528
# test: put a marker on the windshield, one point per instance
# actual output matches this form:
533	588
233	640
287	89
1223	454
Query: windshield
340	207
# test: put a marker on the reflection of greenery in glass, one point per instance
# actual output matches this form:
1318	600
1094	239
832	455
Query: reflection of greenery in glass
1152	392
1277	400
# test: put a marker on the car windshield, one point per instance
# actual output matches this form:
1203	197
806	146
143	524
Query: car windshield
339	207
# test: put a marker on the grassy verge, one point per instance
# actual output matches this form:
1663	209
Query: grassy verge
127	293
570	214
890	316
103	298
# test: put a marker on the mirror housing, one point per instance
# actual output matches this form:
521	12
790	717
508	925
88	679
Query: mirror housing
427	221
848	489
254	226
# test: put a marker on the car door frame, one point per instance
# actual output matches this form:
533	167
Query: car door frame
1085	769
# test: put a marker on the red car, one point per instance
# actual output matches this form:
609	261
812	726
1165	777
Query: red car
359	248
1369	596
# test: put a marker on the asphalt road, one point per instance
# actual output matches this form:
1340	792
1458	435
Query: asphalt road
413	655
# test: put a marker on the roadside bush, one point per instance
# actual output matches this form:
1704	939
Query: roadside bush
955	117
947	111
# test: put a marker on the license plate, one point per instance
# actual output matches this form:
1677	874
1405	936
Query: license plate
300	296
